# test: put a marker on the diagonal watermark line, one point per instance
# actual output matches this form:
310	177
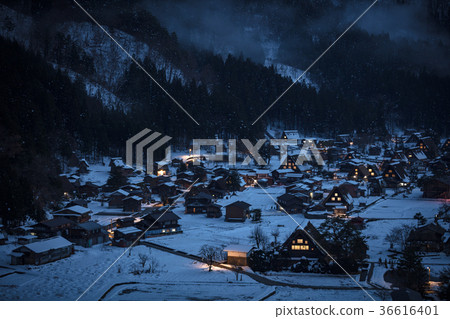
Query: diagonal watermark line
315	241
137	239
136	62
315	61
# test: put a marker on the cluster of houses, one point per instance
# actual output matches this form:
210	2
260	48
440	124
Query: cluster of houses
354	170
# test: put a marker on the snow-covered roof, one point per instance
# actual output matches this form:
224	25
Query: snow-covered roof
120	192
129	230
238	248
133	197
77	209
292	134
47	244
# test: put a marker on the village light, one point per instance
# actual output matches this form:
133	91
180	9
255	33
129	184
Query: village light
429	273
161	172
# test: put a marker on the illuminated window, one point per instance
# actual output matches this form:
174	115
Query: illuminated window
300	247
333	198
339	199
336	194
299	241
306	241
387	175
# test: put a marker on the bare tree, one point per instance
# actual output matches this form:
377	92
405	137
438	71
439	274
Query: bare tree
142	259
399	235
275	233
210	254
259	237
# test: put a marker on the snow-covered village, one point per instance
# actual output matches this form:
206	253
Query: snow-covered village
214	232
289	157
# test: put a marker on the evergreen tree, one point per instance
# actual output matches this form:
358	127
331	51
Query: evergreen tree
444	287
233	181
345	242
411	270
116	179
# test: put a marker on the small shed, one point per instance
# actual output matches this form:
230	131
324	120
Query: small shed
237	211
238	254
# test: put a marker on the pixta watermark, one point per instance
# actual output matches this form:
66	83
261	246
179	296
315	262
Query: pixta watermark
147	142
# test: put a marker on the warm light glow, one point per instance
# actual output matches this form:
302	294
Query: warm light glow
161	172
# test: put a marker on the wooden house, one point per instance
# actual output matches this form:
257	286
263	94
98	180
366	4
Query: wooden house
338	197
188	175
124	237
118	165
183	183
166	191
281	173
88	190
292	203
42	252
395	176
237	211
217	193
77	214
237	254
87	234
78	202
359	172
132	204
377	186
198	204
290	164
428	238
116	198
300	244
159	222
125	222
437	187
59	226
219	182
428	146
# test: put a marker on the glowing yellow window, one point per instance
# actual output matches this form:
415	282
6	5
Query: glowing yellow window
336	194
339	199
333	198
299	241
